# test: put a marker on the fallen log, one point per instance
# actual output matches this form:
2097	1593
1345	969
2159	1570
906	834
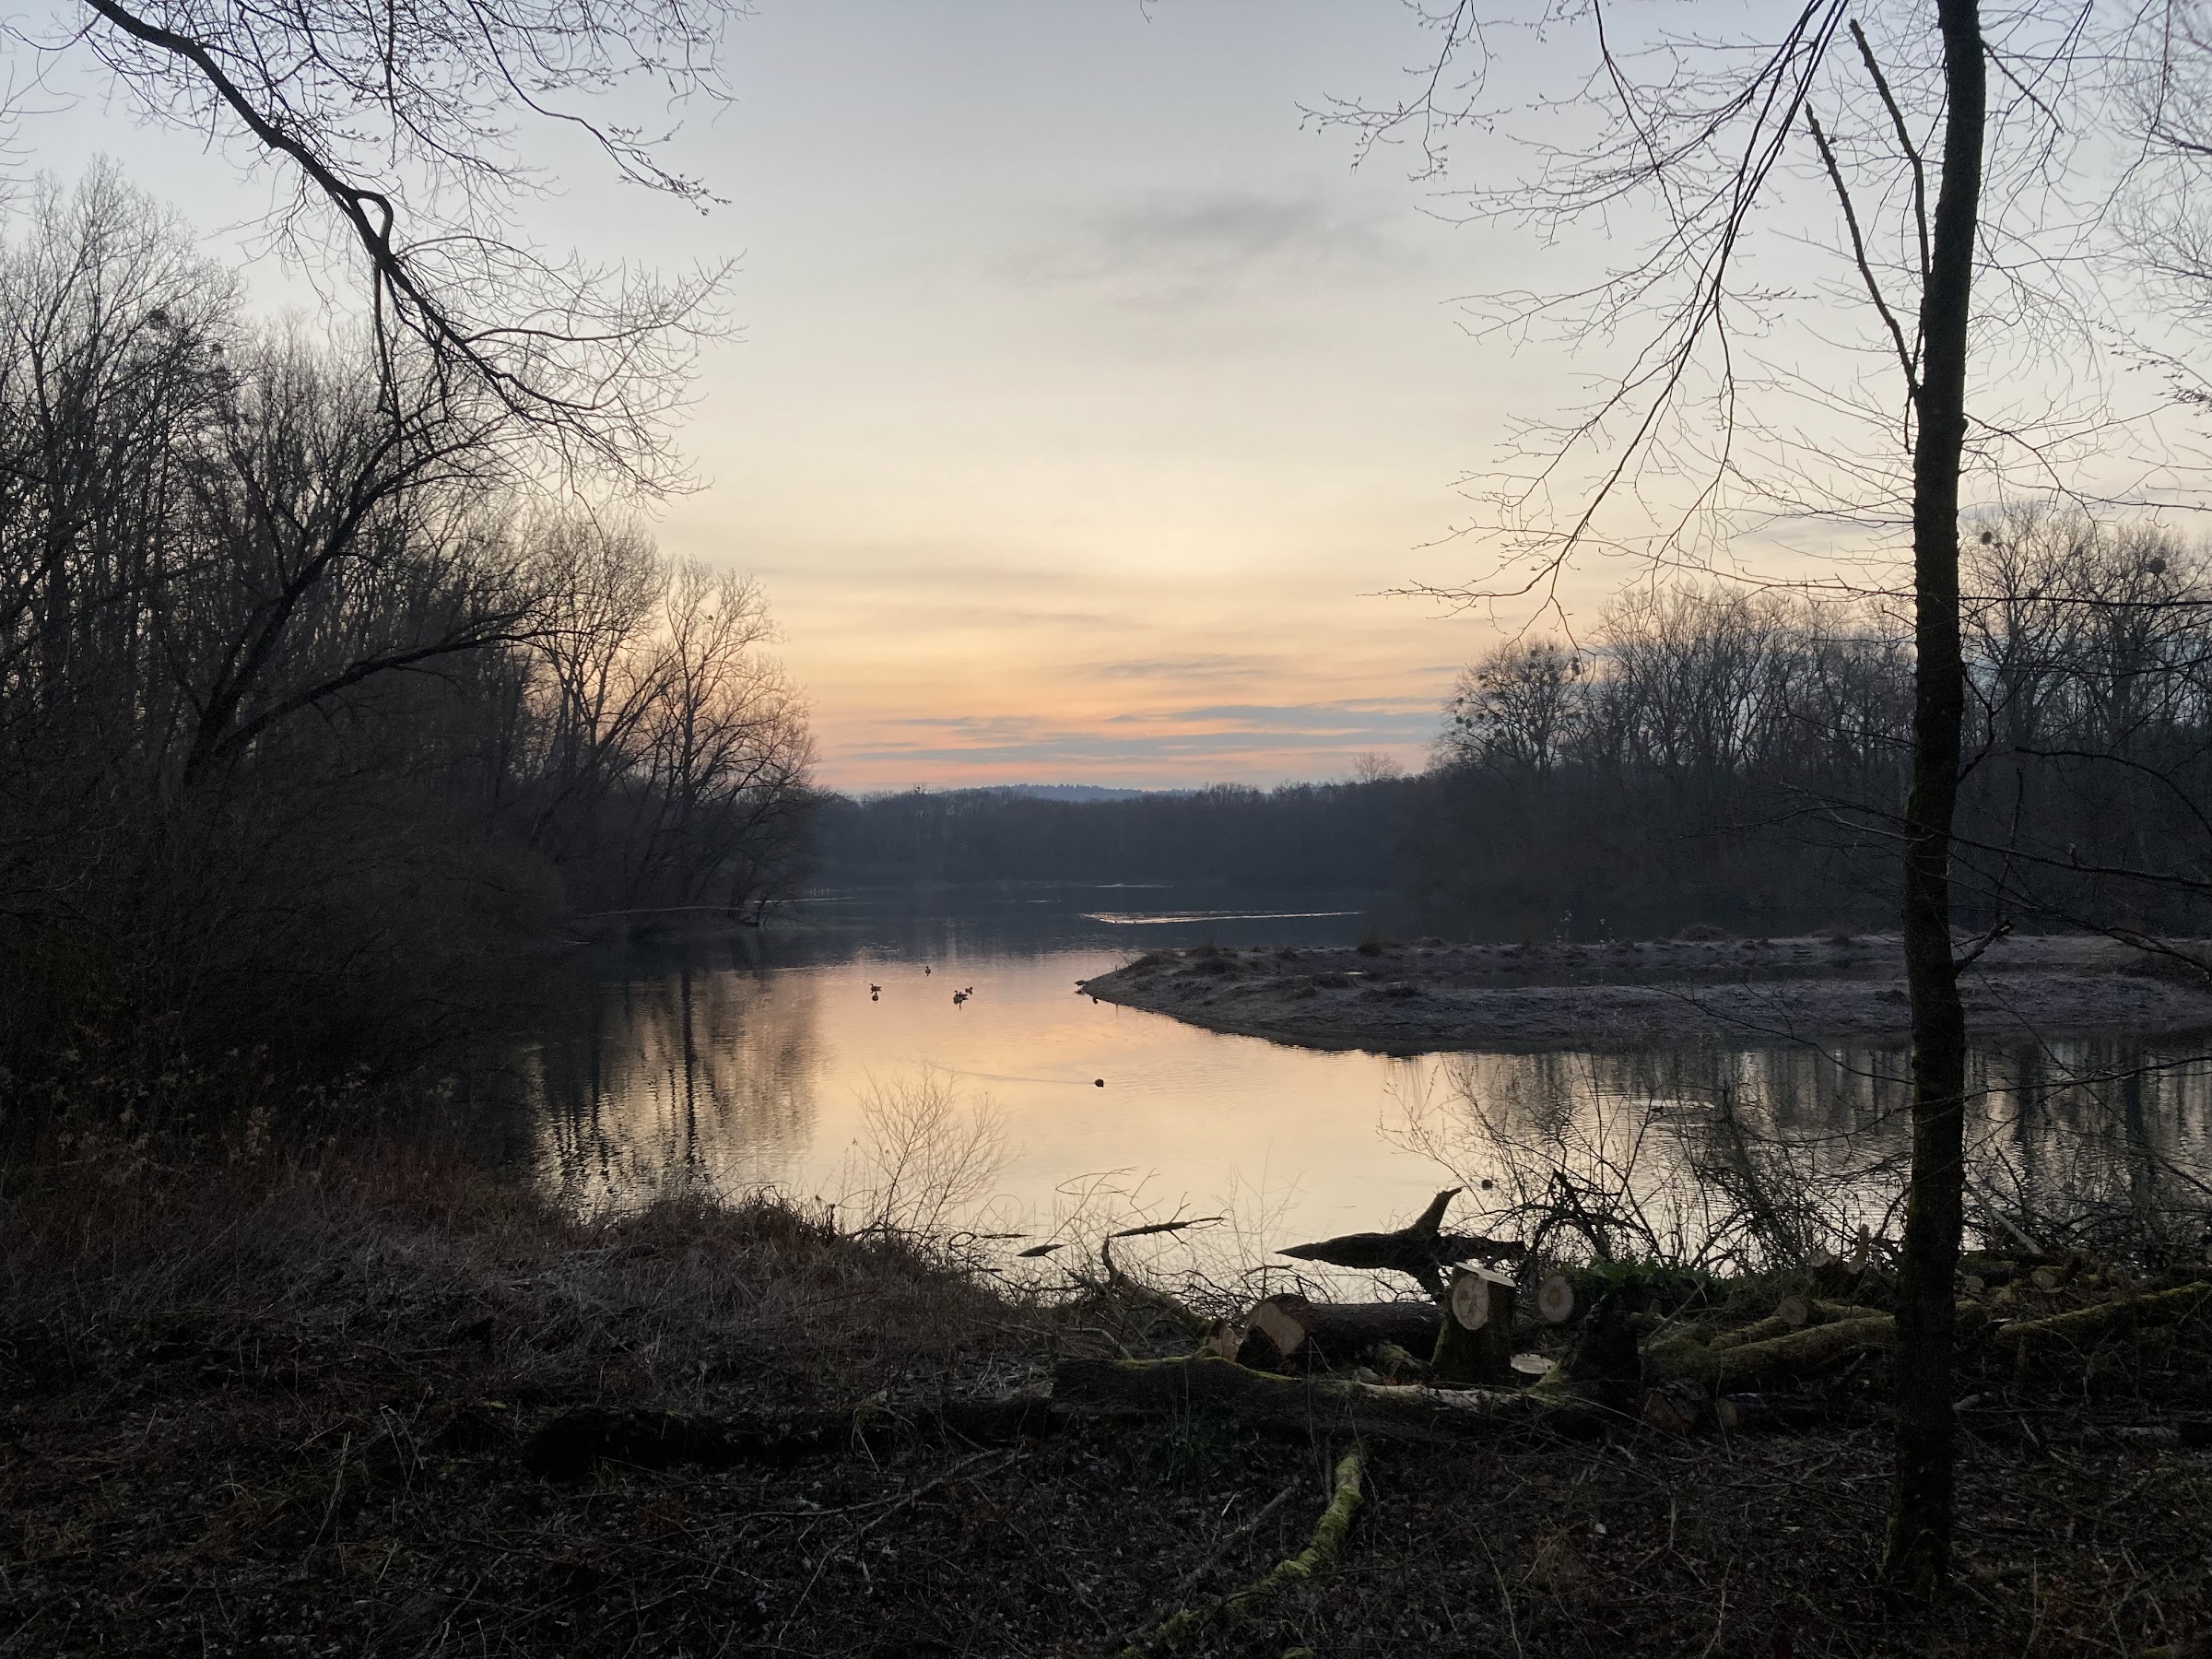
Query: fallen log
1421	1250
2109	1319
1322	1549
1289	1329
1760	1330
1763	1362
1760	1363
1797	1312
1306	1405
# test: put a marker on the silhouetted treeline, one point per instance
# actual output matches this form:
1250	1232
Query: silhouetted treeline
1741	757
306	709
1726	755
1344	837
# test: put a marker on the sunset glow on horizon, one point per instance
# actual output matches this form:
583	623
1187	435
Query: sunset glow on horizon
1090	408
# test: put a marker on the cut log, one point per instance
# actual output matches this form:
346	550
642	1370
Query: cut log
1475	1341
2085	1325
1291	1330
1794	1311
1422	1250
1555	1299
1303	1405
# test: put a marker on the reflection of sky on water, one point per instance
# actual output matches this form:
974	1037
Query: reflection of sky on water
744	1073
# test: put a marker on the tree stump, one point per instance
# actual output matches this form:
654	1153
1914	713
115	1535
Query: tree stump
1474	1343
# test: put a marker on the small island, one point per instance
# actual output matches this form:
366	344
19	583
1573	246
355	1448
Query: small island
1427	997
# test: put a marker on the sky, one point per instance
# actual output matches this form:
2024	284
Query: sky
1086	406
1086	403
1083	403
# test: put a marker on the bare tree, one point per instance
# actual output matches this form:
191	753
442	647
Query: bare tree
404	131
1688	143
300	706
1516	707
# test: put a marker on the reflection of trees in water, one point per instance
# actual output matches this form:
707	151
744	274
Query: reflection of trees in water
1779	1153
705	1077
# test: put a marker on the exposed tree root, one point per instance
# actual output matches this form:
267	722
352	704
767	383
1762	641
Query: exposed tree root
1421	1250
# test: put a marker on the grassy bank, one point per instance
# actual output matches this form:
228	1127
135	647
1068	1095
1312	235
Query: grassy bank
282	1406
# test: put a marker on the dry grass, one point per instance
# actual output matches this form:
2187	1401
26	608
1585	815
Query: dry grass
274	1408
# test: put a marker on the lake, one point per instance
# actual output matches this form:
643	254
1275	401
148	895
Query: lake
929	1058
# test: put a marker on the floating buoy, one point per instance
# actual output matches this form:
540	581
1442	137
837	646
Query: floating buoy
1097	1082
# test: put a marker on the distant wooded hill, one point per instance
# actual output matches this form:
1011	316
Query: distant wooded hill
1342	836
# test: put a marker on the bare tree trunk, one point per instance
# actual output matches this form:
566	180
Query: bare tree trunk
1917	1559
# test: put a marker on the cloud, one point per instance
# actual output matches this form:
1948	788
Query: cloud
1205	666
1192	745
1201	251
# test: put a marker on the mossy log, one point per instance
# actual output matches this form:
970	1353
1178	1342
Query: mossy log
1322	1549
2086	1325
1763	1330
1796	1313
1763	1362
1291	1330
1756	1364
1177	1387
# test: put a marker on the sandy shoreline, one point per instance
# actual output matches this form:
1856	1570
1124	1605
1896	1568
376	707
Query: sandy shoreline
1429	996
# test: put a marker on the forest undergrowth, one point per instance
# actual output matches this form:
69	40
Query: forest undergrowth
298	1403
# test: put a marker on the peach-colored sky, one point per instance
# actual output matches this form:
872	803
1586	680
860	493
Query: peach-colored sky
1086	404
1082	404
1087	400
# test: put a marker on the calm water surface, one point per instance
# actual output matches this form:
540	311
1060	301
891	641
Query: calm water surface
796	1059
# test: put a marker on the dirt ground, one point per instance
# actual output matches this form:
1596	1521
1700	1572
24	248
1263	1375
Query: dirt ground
1428	996
286	1413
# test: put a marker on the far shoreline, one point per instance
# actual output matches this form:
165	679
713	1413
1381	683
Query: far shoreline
1429	997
